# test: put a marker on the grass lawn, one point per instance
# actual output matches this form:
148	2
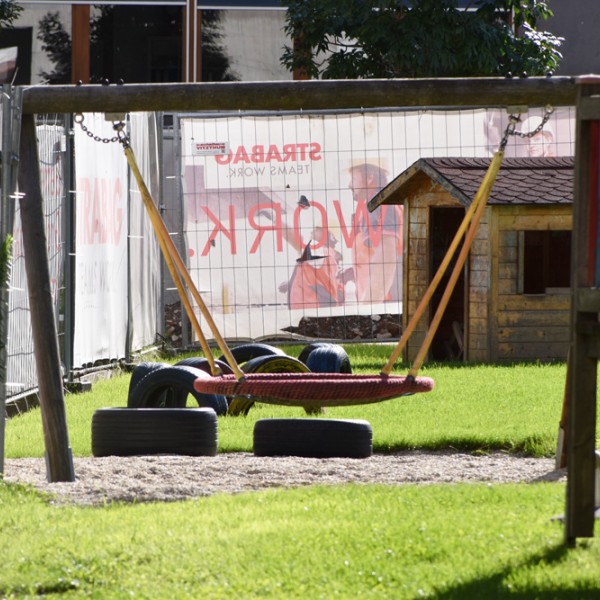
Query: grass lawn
350	541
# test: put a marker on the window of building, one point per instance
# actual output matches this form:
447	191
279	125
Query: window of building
545	261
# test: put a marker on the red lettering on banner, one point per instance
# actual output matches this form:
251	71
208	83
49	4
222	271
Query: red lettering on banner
118	217
273	154
290	232
219	228
316	243
51	180
101	220
97	227
360	218
84	201
315	152
289	152
277	224
241	155
349	234
256	154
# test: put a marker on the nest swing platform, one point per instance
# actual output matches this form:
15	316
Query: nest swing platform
314	389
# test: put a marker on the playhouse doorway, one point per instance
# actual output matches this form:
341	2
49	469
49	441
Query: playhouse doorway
448	341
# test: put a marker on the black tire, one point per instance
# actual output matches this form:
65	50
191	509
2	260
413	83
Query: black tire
202	363
307	350
240	405
199	362
329	359
140	371
275	364
170	387
246	352
313	438
142	431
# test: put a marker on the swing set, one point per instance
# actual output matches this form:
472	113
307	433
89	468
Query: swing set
319	389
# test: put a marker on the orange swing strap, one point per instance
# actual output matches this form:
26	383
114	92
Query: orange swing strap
470	221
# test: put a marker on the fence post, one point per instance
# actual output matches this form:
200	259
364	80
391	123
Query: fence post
59	461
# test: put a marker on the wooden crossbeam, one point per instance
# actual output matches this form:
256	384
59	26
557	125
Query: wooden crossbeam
480	92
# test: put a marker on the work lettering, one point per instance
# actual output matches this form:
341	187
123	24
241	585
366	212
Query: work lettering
274	227
229	233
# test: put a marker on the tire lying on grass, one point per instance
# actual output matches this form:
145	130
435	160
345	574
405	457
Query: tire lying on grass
240	405
140	371
142	431
328	358
313	438
306	351
200	362
169	387
246	352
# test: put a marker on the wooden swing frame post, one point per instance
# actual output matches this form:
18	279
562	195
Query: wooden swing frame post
59	460
580	408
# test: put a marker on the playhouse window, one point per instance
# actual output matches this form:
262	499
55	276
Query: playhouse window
546	261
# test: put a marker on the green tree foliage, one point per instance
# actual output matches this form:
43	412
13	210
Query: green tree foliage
9	13
56	43
350	39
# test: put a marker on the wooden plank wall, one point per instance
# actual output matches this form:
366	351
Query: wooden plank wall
477	347
416	273
526	327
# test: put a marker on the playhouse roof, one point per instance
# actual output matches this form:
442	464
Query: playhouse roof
520	180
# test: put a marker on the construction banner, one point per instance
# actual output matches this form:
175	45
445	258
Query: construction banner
276	219
101	245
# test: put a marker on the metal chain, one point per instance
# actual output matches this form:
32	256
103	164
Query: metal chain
512	124
529	134
118	126
510	130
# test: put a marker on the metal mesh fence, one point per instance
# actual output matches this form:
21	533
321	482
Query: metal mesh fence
138	258
274	210
231	182
21	370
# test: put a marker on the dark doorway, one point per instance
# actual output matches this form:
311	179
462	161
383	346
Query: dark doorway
443	225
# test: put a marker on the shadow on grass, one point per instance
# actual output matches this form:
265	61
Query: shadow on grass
495	586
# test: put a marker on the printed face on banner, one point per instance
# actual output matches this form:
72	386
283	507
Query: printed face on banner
276	217
555	138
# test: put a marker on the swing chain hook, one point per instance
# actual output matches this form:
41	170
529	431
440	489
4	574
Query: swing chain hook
118	126
510	130
529	134
512	123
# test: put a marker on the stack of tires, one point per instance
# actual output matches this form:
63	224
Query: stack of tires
157	420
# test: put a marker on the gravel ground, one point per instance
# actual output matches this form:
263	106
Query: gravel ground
170	478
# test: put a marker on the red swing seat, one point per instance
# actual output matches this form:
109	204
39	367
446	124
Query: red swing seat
314	389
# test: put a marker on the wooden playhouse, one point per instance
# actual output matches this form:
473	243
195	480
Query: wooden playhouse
512	300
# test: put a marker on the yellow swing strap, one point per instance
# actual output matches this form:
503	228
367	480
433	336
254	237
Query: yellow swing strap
460	261
178	270
473	214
